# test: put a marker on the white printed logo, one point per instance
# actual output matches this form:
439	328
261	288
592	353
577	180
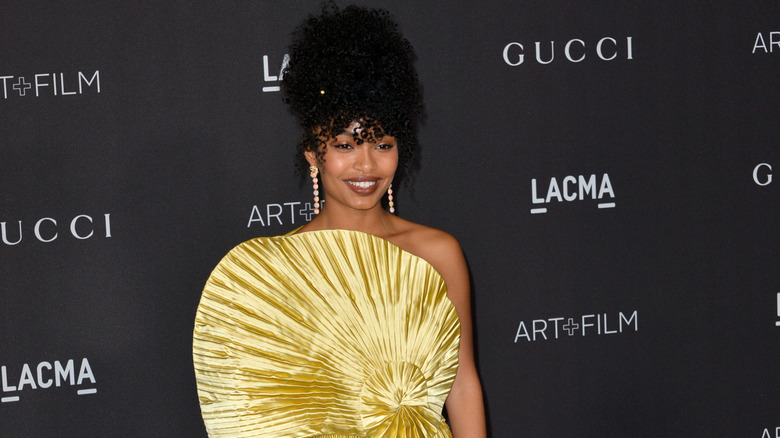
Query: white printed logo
48	229
46	375
571	189
762	174
586	325
270	79
574	50
761	42
768	433
50	84
777	323
278	214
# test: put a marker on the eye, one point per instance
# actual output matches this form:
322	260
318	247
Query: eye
342	146
385	146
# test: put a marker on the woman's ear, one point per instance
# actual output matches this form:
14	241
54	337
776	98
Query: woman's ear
311	158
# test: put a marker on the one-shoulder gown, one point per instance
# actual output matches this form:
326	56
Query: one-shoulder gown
330	333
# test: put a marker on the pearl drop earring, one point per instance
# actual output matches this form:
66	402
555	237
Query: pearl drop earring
390	199
313	172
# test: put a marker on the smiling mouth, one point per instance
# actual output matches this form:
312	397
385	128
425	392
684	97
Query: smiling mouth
363	187
362	184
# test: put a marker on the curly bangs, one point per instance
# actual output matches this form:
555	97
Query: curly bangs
353	65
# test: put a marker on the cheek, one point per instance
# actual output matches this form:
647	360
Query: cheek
332	163
390	161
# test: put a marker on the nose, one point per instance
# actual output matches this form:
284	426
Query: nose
365	160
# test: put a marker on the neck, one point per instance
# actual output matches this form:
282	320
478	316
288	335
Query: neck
333	216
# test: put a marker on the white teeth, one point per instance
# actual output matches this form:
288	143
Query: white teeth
362	184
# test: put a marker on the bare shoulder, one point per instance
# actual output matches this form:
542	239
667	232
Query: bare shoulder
435	246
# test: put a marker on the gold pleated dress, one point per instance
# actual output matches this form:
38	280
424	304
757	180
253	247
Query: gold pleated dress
330	333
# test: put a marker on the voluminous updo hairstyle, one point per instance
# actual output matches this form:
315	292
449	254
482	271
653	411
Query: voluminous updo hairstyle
353	65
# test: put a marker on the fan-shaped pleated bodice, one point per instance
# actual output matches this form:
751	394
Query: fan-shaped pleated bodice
329	333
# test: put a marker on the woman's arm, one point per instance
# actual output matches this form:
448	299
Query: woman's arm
465	406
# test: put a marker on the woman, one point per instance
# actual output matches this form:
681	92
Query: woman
358	324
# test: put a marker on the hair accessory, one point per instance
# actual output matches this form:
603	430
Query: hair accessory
390	198
313	171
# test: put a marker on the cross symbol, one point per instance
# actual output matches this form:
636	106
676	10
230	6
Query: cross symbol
22	86
307	211
571	327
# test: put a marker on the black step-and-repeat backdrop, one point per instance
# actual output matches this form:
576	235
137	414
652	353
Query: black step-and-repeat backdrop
610	169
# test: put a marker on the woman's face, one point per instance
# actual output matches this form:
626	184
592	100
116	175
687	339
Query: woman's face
356	175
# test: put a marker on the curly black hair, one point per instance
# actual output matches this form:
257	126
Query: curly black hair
353	65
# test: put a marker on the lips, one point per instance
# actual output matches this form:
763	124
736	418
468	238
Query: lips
363	186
